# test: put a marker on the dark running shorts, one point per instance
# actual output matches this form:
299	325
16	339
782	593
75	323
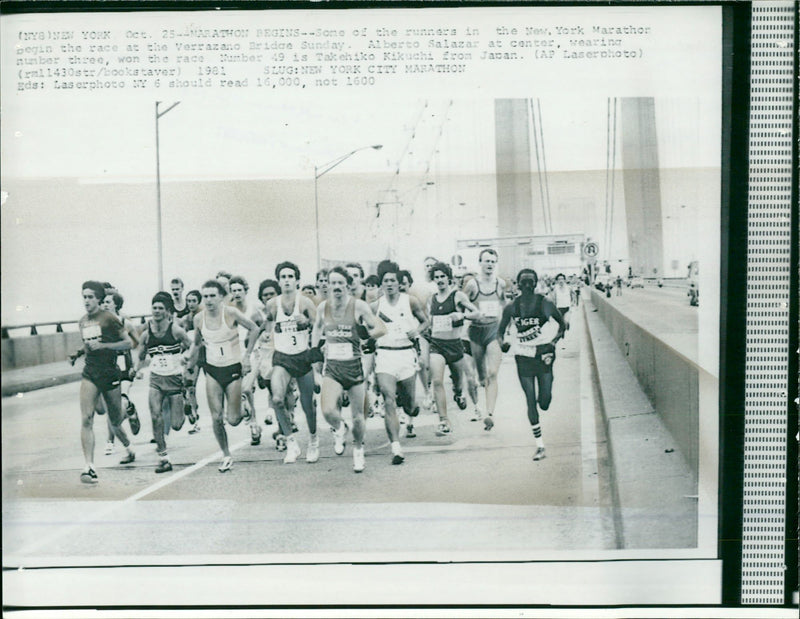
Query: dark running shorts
540	364
347	373
168	385
297	365
451	350
105	377
223	375
483	335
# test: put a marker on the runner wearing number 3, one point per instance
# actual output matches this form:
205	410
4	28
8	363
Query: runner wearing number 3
290	315
216	327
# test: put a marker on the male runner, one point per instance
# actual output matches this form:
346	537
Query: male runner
447	309
190	374
162	343
216	327
113	302
103	336
337	321
321	286
178	302
562	298
487	292
395	363
264	348
359	291
537	322
291	316
239	288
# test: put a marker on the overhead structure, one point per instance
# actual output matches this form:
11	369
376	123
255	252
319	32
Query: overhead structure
513	167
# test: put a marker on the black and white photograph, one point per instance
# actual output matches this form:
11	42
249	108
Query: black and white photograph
410	290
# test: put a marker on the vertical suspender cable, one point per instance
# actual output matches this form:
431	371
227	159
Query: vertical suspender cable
608	171
613	168
544	167
538	166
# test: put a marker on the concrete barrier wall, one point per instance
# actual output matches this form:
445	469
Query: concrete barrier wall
670	380
29	350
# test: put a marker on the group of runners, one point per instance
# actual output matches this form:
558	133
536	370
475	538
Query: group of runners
347	341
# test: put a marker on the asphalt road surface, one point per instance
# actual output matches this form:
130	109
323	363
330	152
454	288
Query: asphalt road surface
473	494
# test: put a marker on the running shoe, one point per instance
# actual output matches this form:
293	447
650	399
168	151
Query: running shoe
488	423
410	431
195	429
345	400
247	411
129	457
164	466
255	435
292	451
429	402
539	455
268	419
133	417
109	448
339	439
477	415
397	454
461	401
358	460
89	477
443	429
226	464
312	454
294	428
190	414
280	441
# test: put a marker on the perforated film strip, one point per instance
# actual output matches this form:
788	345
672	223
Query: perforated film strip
768	281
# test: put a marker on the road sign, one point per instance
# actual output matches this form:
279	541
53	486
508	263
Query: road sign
590	250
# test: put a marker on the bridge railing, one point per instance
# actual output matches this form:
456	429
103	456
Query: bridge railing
58	326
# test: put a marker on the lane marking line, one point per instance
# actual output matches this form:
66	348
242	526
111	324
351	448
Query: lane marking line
110	506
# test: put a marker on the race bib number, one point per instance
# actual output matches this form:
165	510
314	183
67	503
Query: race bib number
490	309
91	332
442	324
166	364
340	351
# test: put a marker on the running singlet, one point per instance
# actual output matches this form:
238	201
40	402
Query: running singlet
399	321
105	327
562	296
443	327
180	313
288	337
222	344
490	305
341	340
164	351
529	327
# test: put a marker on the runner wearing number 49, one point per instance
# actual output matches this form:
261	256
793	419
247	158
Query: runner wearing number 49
163	341
538	322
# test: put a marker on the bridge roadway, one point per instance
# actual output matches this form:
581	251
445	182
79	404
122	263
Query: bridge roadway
474	494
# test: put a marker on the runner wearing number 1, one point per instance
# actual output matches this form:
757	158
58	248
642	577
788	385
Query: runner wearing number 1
216	327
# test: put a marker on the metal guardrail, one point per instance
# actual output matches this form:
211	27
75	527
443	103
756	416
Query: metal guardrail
33	329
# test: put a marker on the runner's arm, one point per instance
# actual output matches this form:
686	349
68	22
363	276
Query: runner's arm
375	326
472	312
505	320
420	315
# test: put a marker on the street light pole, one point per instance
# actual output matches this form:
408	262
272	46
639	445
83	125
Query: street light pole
158	198
322	170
